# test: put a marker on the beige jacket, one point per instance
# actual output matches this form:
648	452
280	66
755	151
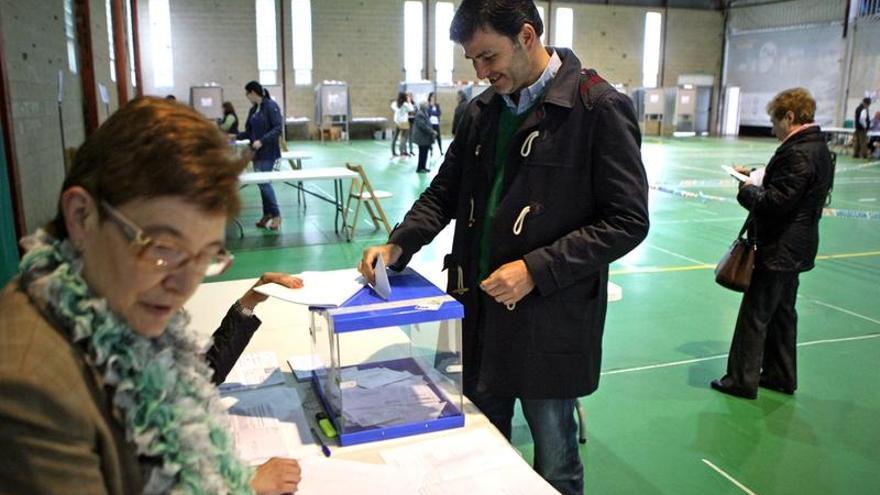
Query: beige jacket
58	431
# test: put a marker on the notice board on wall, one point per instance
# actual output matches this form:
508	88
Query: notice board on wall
766	62
207	100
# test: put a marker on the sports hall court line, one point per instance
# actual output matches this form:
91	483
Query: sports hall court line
729	477
826	212
672	364
857	167
842	310
677	255
800	344
667	166
371	155
706	266
698	220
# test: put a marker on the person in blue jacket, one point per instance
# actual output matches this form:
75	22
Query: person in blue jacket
262	128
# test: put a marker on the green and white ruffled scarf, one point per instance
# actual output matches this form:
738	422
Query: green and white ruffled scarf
161	385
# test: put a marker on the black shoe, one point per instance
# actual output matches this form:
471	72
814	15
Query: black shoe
736	392
422	171
775	387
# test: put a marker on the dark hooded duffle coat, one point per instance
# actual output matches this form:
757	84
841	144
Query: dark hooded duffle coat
574	199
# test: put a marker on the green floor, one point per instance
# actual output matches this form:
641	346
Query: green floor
654	426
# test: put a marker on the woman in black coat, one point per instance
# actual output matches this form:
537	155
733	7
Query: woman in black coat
785	203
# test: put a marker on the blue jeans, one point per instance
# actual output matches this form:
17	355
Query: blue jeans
270	204
554	432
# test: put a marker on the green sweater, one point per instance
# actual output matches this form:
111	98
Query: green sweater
508	123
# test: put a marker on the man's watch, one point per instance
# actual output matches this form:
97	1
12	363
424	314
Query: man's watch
240	309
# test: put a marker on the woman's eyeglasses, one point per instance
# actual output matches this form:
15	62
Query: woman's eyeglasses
163	256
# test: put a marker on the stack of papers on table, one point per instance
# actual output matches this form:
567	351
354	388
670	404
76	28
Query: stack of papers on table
269	422
266	421
253	370
382	396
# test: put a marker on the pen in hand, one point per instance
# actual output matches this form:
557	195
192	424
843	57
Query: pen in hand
324	448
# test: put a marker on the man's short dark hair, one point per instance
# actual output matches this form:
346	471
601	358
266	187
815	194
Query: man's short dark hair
866	101
506	17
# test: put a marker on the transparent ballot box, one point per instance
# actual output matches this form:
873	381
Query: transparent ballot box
390	368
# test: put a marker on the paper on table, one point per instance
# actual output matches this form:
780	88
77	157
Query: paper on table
330	288
468	462
733	173
253	370
322	476
269	422
257	432
382	286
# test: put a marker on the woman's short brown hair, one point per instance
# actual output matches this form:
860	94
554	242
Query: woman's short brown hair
154	147
798	101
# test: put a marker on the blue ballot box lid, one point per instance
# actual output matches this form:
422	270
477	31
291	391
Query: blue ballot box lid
413	300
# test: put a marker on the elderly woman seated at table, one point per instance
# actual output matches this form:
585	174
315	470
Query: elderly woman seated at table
103	387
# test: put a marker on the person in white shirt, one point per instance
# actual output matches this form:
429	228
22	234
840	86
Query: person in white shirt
401	108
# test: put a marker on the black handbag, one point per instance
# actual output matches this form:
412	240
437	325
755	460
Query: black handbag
734	271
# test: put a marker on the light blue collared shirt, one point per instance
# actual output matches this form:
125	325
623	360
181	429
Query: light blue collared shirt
528	96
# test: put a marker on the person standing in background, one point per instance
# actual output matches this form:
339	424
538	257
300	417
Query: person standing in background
263	127
229	123
401	108
785	208
873	141
410	118
423	135
434	119
459	110
863	123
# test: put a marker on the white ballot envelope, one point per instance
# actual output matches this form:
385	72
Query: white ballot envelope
382	286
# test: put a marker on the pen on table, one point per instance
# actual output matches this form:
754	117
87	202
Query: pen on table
324	448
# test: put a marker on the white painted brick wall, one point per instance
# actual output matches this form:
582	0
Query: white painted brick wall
35	51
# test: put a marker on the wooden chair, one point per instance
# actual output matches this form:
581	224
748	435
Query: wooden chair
363	193
326	129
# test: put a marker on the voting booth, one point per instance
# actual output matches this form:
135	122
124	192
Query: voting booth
390	368
333	106
685	109
654	108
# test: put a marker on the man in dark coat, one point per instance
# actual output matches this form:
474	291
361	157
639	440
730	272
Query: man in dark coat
545	181
785	207
863	123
